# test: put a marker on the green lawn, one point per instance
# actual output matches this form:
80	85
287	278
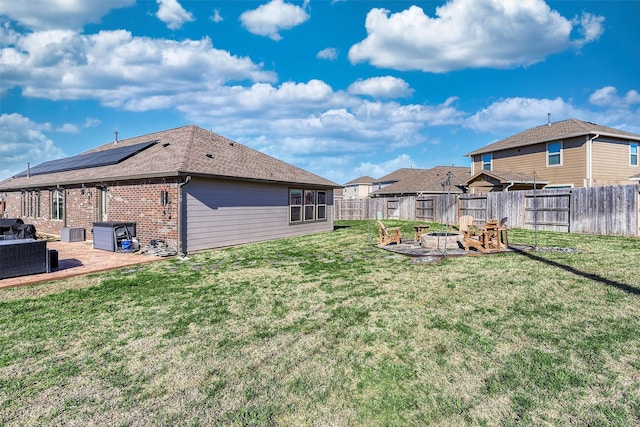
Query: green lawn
327	330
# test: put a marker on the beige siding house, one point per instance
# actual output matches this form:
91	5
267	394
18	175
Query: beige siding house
187	186
358	188
570	153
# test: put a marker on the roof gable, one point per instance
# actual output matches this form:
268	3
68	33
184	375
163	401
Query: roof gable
552	132
399	175
509	177
361	180
427	181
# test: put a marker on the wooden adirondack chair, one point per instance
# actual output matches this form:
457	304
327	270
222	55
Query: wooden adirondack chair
487	240
464	222
389	235
503	232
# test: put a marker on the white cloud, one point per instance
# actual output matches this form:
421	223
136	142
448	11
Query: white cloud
381	87
590	27
216	17
469	34
517	114
314	109
22	141
608	97
329	53
271	18
68	128
173	14
301	122
512	115
118	69
377	170
91	122
49	14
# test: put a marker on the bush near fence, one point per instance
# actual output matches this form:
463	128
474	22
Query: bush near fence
607	210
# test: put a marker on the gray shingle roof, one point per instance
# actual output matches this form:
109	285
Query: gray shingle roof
361	180
511	177
552	132
187	150
399	175
415	181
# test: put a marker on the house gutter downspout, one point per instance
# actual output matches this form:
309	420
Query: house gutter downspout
182	246
509	186
589	182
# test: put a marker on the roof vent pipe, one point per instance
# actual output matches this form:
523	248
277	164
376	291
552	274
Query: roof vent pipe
548	119
28	169
116	134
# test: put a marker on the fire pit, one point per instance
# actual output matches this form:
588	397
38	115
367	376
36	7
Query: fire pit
441	240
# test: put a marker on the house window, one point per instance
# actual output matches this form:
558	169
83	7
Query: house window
57	205
486	161
554	153
633	154
31	204
295	205
321	205
307	205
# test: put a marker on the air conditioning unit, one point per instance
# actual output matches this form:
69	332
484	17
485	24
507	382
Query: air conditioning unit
72	235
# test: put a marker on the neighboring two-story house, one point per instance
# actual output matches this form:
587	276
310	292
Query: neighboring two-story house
569	153
358	188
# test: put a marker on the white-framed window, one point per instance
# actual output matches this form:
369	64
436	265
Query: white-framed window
57	205
31	204
554	153
295	205
321	205
633	154
487	159
307	205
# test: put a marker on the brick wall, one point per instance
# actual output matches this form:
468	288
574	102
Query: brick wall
141	201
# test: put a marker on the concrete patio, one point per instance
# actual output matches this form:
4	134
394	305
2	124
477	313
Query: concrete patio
79	258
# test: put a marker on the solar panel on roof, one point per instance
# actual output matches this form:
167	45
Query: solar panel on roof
89	160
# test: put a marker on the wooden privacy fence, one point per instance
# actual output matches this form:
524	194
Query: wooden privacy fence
441	208
610	210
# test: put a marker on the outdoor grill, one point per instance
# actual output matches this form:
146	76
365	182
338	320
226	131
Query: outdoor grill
15	228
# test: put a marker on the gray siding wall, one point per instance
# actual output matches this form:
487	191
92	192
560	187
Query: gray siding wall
225	213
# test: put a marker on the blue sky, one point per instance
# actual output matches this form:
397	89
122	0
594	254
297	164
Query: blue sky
340	88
